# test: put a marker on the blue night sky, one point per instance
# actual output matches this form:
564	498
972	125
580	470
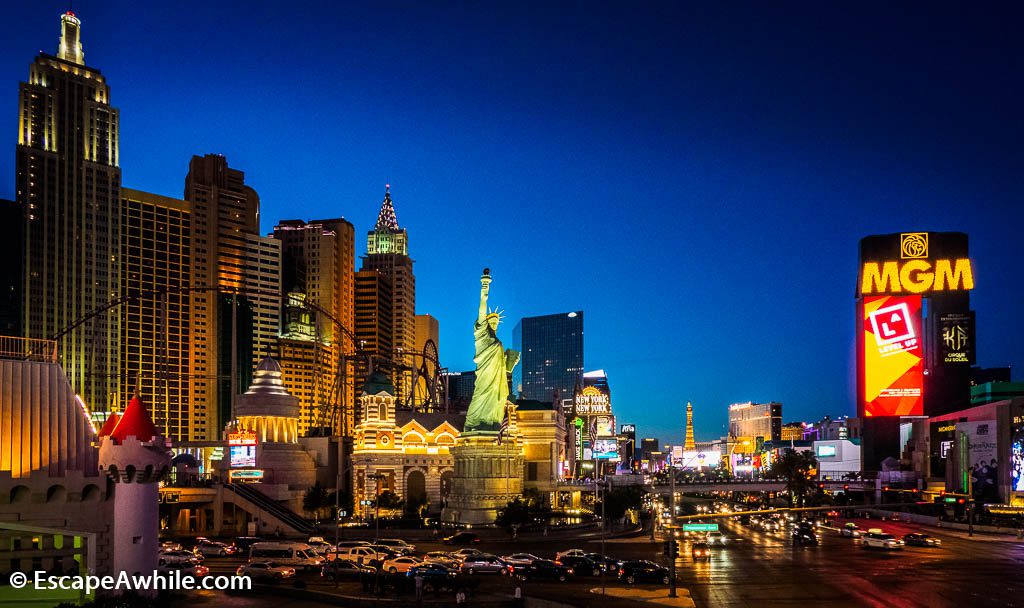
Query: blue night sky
694	176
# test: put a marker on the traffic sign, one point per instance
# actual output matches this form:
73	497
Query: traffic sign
700	527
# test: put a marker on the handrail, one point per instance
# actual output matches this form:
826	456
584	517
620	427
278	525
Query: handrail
28	349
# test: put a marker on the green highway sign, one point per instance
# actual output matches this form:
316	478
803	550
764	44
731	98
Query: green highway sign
700	527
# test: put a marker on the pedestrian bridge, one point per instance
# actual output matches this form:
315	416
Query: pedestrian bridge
720	485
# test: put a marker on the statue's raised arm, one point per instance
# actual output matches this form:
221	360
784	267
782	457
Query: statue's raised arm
485	289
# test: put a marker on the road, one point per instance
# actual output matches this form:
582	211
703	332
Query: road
757	568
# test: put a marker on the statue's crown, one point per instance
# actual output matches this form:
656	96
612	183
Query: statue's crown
498	314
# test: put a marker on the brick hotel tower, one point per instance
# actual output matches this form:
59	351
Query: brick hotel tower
68	187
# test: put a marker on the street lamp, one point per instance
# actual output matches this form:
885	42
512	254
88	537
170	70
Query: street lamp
671	531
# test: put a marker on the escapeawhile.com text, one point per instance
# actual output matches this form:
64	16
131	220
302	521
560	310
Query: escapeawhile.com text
156	581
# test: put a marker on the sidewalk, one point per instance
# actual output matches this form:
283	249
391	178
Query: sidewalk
658	596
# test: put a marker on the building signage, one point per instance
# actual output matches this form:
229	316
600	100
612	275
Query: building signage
578	437
982	464
700	527
956	335
893	365
242	449
916	272
627	429
605	449
826	451
246	475
699	459
592	401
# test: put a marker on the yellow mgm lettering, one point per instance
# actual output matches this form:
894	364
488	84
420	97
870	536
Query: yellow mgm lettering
916	276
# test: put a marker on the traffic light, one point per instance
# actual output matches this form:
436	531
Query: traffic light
846	487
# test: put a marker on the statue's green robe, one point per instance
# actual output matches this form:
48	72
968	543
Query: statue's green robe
490	391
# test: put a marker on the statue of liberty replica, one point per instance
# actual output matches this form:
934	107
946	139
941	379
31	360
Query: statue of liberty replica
493	366
488	456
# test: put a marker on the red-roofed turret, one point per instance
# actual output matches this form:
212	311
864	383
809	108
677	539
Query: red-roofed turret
109	425
135	422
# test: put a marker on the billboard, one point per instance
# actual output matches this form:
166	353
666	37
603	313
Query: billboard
592	400
605	426
915	263
893	356
982	461
605	449
242	449
699	459
826	451
956	337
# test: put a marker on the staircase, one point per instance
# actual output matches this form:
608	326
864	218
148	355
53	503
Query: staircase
261	505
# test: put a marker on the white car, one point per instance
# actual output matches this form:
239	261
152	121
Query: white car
520	560
321	546
442	558
570	553
399	545
715	538
462	554
876	539
400	564
265	571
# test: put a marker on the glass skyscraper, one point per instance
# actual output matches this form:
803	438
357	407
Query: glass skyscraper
552	356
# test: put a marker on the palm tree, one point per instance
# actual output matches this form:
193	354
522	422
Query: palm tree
798	469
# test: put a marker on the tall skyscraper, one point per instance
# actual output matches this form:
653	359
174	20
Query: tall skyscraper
155	257
228	254
318	265
552	348
68	184
752	420
387	253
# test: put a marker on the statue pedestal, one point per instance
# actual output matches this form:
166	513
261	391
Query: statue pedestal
487	476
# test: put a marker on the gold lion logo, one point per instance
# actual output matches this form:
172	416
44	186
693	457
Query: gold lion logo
913	245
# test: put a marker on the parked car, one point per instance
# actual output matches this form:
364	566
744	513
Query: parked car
266	571
486	563
545	568
341	570
363	554
520	560
610	564
462	554
212	547
850	530
921	540
583	566
643	570
400	564
321	546
178	557
442	558
244	542
434	576
877	539
570	553
462	538
170	545
398	545
700	551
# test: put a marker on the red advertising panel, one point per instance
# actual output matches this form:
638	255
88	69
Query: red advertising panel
893	366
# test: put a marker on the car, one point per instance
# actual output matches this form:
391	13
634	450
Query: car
244	542
398	545
400	564
265	571
920	540
169	545
178	557
546	568
714	537
434	576
570	553
295	554
581	565
610	564
486	563
442	558
340	570
212	547
850	530
643	570
194	570
520	560
462	554
804	534
363	554
462	538
320	546
877	539
700	551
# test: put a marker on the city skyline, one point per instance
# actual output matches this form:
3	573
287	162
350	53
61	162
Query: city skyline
711	364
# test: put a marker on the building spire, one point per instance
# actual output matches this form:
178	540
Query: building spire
689	444
70	48
386	219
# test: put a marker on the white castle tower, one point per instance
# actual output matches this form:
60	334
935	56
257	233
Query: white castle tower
136	458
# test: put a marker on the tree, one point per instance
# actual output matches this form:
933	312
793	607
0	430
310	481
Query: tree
389	500
414	506
516	513
620	500
798	469
315	500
